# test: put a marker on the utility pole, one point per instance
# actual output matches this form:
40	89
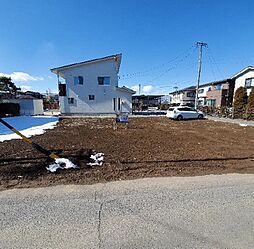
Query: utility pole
200	45
139	89
175	93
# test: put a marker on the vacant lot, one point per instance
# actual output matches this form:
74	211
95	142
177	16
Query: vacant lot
149	146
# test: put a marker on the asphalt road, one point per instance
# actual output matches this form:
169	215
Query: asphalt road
191	212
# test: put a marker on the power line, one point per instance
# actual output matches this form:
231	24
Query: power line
214	62
146	72
173	67
211	65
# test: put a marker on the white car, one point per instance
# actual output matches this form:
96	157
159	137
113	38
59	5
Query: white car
184	112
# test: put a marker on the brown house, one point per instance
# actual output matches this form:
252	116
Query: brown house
219	93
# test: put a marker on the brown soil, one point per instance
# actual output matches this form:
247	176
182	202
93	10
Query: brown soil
146	147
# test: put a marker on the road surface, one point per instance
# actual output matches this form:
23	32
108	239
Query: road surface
191	212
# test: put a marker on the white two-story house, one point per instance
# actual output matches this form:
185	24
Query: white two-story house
184	96
244	78
91	87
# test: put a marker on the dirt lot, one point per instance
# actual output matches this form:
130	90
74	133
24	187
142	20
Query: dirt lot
146	147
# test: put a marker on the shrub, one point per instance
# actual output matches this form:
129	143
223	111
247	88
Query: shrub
11	109
164	106
240	102
250	105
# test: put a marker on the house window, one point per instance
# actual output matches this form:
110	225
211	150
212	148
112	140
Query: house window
70	101
190	94
114	104
211	102
104	81
79	80
91	97
62	89
209	89
200	90
200	102
249	82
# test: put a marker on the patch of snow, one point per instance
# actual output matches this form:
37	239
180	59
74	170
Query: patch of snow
28	126
97	159
61	163
243	124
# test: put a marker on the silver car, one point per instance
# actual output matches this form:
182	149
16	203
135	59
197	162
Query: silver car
184	112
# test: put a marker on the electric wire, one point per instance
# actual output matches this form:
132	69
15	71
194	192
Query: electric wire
161	66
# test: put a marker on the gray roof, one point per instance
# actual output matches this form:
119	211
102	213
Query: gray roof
190	88
115	56
242	71
125	89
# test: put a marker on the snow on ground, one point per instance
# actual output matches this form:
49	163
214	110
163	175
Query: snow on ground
61	163
27	125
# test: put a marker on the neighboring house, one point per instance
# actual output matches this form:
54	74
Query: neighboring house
144	102
244	78
29	94
217	94
91	87
184	96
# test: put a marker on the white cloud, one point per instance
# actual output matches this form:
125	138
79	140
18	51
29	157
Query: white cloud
148	89
135	88
21	76
145	89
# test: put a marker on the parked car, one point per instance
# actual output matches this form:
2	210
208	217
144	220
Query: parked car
184	112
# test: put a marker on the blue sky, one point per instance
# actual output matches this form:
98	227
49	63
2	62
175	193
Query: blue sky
157	39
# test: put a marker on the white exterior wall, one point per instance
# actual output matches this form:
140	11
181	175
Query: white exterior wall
176	98
202	96
181	98
38	106
103	102
240	80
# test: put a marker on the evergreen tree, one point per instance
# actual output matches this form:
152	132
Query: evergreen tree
250	105
7	87
240	102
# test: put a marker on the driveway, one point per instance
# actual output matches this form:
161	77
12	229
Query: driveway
171	212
